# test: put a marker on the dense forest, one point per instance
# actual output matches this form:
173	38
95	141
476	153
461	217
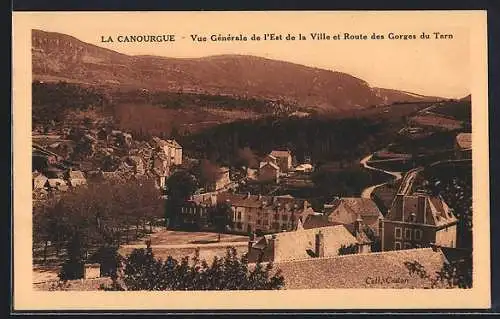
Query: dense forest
52	101
460	110
321	138
182	100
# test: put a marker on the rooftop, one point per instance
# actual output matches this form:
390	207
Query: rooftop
371	270
464	140
280	153
247	200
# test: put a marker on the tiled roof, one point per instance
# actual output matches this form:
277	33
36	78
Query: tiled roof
464	140
435	211
276	153
276	167
315	221
362	206
174	144
371	270
258	201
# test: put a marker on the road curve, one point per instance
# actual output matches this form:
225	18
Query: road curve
367	192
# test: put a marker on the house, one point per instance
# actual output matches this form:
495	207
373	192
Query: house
463	146
418	220
76	178
161	169
357	229
176	152
304	168
300	244
57	184
39	180
265	213
284	160
221	181
347	210
269	159
195	212
269	172
170	149
385	270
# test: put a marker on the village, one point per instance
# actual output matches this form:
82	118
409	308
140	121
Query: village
356	238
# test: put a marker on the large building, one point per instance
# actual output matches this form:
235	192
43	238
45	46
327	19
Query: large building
251	213
283	160
418	220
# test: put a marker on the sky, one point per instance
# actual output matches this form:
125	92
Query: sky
435	67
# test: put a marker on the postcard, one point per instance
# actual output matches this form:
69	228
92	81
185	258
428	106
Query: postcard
250	160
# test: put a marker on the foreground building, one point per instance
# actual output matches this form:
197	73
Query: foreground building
418	220
374	270
301	244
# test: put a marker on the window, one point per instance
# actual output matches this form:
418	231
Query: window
408	233
397	233
418	234
397	245
239	215
406	245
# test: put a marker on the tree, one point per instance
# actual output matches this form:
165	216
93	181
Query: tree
180	186
74	264
456	274
348	250
246	157
221	217
142	271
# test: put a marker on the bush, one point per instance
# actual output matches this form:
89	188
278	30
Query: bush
142	271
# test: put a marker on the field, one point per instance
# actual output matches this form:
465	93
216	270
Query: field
165	243
174	237
436	121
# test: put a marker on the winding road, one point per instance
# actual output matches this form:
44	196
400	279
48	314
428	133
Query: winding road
367	192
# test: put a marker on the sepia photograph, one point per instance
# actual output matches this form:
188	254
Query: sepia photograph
239	157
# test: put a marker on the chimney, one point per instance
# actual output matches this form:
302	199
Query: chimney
248	194
357	225
421	201
320	244
380	226
273	245
259	197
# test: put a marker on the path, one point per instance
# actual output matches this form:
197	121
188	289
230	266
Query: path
181	246
367	192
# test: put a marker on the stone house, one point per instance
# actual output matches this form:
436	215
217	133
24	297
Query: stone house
418	220
347	210
283	160
269	172
300	244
